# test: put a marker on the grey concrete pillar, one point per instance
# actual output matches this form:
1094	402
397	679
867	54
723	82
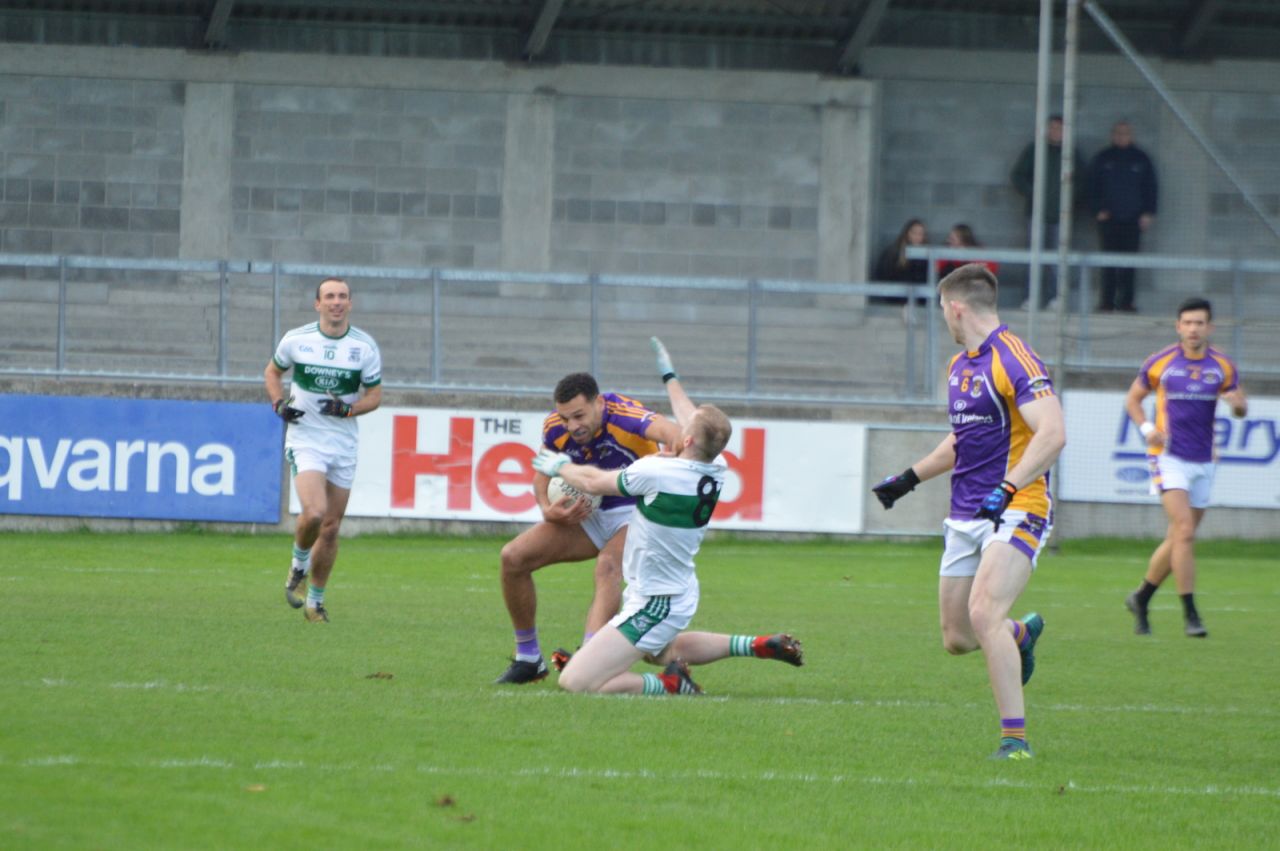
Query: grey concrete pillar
1182	226
207	132
845	182
526	182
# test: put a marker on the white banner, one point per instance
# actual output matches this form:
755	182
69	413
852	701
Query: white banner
1105	458
476	465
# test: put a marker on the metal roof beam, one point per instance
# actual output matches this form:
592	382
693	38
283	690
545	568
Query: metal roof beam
1192	28
853	47
542	28
216	28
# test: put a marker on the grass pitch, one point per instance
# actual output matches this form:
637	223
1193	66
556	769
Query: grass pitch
156	691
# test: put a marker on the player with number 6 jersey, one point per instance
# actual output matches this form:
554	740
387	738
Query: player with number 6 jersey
1006	432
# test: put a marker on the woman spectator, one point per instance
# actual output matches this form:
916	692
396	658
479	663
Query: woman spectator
961	236
894	265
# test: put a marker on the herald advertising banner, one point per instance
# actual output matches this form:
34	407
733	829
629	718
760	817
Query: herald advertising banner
144	459
476	465
1106	460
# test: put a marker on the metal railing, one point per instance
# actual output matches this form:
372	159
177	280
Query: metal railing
912	350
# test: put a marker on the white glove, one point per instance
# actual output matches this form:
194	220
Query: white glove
548	463
665	368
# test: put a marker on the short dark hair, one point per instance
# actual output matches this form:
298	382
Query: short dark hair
972	283
342	281
1196	303
574	385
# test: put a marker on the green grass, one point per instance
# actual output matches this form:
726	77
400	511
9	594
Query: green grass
156	691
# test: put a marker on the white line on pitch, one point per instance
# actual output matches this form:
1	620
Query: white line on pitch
570	773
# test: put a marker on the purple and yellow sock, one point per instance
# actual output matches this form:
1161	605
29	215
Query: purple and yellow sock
1020	632
1013	728
527	649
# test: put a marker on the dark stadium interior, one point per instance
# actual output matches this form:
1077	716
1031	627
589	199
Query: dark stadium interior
813	35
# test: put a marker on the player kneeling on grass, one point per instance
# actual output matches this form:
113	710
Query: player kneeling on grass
676	493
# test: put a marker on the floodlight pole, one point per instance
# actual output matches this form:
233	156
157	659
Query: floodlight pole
1037	172
1066	205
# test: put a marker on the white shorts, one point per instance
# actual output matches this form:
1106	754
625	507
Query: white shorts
601	526
651	623
339	470
1170	473
965	540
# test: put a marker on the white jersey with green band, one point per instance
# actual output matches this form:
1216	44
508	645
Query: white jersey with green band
675	499
323	367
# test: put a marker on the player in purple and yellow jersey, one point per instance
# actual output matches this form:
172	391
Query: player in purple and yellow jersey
603	430
1006	432
1188	379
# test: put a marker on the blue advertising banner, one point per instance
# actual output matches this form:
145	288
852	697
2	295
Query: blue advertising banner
139	458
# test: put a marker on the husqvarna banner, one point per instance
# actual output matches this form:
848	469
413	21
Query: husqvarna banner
476	465
1106	459
146	459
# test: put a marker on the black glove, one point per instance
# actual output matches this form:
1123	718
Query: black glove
335	407
285	412
996	502
896	487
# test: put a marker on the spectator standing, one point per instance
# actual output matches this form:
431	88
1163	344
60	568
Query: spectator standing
1123	192
1023	177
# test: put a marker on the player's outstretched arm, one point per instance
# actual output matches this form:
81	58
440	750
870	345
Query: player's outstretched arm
584	478
681	405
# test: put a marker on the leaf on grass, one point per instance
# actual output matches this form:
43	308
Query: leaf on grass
256	787
466	817
445	801
379	675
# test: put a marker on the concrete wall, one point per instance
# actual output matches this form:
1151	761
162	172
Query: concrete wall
91	165
345	159
349	160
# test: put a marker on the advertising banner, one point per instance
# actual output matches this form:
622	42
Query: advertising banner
1106	459
139	458
476	465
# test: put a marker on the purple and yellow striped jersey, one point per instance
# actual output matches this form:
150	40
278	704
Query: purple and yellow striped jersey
620	441
985	388
1187	391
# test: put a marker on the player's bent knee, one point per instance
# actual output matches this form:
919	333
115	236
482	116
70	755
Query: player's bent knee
958	644
514	561
571	682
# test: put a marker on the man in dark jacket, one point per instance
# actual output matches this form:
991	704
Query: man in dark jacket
1123	191
1023	177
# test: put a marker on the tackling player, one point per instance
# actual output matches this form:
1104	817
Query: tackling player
1006	432
331	360
1188	378
676	493
605	430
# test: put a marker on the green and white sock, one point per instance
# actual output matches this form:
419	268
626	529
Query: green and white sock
653	685
315	596
301	559
741	645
